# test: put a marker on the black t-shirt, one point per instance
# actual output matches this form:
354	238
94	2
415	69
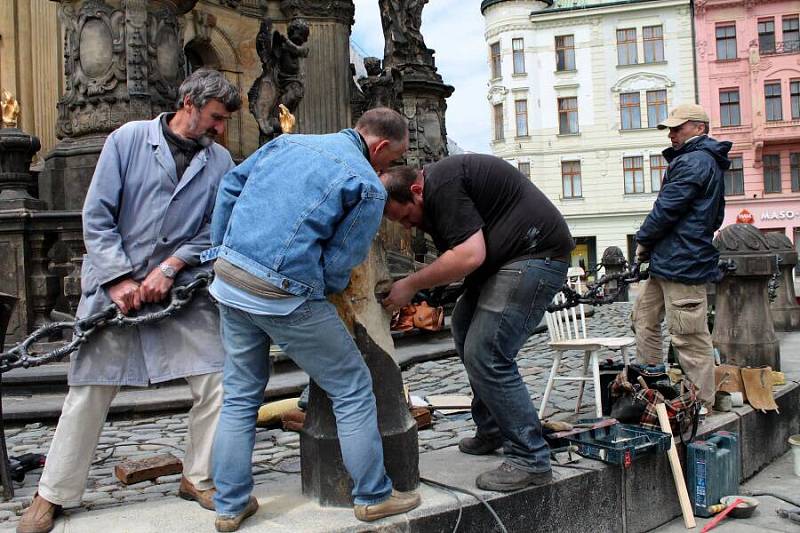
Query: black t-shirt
465	193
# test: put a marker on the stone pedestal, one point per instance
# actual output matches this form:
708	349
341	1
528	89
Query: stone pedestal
17	149
323	474
614	263
785	311
123	61
743	329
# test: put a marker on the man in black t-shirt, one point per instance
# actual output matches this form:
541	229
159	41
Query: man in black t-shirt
497	230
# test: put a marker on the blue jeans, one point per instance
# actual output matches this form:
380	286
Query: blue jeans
490	324
315	338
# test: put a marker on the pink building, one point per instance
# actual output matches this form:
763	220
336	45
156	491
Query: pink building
748	72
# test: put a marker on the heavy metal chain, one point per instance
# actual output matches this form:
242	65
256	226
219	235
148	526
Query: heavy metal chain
598	293
83	328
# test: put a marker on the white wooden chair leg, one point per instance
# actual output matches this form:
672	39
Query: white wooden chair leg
549	387
581	387
596	375
625	360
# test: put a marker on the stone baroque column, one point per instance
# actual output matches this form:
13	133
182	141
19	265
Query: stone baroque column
326	105
123	61
743	329
785	311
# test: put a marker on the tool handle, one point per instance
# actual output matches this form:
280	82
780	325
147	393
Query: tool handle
677	471
717	519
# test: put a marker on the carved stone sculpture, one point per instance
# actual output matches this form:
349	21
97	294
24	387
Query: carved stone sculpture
10	108
405	46
281	79
743	330
785	311
381	87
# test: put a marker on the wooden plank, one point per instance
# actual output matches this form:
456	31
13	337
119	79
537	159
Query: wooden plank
677	471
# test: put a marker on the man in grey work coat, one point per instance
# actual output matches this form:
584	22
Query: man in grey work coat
145	222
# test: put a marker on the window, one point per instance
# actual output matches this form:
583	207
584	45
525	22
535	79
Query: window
630	112
565	52
626	47
525	168
726	41
495	53
766	36
571	179
772	173
518	48
794	165
498	123
658	169
794	90
653	37
568	115
791	34
521	110
729	113
734	177
656	107
774	105
634	174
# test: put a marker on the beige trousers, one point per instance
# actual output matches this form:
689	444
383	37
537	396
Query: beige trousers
685	308
85	408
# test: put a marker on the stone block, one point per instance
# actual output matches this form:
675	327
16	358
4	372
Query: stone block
130	472
765	436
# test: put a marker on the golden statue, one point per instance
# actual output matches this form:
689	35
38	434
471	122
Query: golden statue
10	108
286	118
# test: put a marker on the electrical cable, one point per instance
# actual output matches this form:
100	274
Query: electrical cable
113	447
453	494
787	500
470	493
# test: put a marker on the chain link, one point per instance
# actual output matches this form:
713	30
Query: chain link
82	329
598	294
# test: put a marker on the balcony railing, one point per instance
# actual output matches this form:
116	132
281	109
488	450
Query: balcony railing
785	47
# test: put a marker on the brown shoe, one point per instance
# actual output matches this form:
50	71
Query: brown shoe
38	518
398	502
205	498
232	523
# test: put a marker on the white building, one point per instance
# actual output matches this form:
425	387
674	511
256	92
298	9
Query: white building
576	89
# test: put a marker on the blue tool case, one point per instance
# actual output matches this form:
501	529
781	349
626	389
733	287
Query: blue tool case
713	470
620	444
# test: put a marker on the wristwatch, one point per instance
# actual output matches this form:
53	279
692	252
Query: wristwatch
167	270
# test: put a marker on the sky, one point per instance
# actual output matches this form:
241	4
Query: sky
454	29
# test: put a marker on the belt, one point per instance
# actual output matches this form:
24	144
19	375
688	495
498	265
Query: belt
562	258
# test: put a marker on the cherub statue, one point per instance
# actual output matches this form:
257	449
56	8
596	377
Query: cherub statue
281	80
10	108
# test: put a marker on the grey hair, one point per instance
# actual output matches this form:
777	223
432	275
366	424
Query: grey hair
206	84
384	123
706	125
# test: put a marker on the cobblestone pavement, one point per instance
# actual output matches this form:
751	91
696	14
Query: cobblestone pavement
277	453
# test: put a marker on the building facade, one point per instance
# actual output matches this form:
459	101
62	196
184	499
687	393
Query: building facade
576	89
748	64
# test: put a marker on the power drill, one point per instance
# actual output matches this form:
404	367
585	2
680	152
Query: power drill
26	462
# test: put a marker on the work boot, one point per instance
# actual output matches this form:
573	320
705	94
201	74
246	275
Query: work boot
38	518
232	523
188	491
508	477
480	445
398	502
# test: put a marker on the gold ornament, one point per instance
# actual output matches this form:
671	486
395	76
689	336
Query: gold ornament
286	118
10	108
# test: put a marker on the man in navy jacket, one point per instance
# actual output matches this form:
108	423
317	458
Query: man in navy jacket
676	237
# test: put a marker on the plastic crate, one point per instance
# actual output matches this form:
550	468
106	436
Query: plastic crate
620	444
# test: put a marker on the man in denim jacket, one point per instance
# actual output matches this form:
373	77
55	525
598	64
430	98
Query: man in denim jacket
290	223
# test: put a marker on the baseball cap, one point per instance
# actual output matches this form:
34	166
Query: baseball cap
684	113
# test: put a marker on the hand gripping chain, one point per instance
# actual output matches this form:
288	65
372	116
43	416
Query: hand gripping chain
83	328
597	294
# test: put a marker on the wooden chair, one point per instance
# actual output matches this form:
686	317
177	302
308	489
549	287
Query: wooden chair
567	329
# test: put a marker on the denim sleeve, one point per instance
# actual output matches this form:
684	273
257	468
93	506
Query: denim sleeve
101	208
189	252
229	190
353	237
674	200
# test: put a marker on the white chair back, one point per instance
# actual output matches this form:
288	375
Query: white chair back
566	324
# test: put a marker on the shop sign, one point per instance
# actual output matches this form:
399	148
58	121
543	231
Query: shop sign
786	214
744	217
